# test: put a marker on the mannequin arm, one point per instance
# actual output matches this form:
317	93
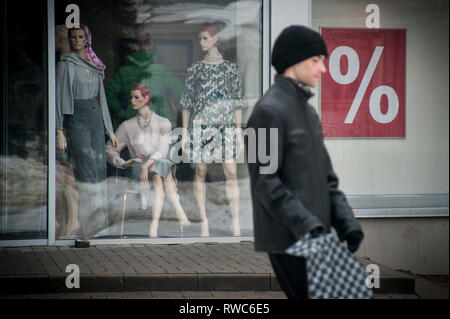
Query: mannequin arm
185	116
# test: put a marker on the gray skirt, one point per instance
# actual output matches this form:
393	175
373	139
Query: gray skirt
162	168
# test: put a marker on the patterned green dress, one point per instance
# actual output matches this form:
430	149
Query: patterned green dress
212	93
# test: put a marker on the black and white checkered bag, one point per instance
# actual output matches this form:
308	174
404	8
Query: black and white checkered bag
333	273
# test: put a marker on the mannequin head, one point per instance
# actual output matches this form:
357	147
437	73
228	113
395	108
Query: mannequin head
208	38
78	40
140	96
144	42
62	44
81	42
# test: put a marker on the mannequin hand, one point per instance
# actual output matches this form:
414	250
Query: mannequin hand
131	161
149	165
61	144
144	174
240	139
184	140
354	239
114	141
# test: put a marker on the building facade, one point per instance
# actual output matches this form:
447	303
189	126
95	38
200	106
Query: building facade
383	104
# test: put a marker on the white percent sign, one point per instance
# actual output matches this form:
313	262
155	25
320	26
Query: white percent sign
352	73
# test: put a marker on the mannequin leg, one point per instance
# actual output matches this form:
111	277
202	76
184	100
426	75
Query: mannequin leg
72	210
232	188
200	195
158	203
171	190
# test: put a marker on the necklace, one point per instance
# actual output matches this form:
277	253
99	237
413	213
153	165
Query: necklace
213	58
145	124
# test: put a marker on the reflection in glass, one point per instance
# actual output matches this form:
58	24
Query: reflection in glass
154	43
23	161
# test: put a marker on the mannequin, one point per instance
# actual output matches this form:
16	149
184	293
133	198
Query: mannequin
82	111
66	190
213	101
147	137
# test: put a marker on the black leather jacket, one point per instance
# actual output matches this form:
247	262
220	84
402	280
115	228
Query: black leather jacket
303	192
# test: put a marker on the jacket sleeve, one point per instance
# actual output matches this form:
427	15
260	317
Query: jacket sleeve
61	70
342	218
278	200
104	105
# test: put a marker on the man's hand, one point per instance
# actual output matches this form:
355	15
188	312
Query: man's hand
316	232
354	239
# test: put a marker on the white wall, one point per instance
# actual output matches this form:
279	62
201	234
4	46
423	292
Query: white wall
417	245
283	14
420	162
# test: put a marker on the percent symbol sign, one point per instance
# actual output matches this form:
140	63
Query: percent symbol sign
352	74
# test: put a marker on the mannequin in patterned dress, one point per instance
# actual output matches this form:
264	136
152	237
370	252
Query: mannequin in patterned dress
212	108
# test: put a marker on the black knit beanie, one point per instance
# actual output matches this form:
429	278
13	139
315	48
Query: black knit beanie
295	44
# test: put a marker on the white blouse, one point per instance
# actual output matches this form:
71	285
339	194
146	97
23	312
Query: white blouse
152	141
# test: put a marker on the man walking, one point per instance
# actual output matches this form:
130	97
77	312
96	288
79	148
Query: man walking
302	196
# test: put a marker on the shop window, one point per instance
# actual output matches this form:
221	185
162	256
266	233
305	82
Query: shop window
157	44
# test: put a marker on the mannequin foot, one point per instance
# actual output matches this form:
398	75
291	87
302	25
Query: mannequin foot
205	229
153	232
72	228
183	220
236	229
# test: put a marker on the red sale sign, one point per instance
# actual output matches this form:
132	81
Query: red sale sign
363	92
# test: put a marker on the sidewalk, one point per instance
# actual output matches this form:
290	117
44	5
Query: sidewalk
205	269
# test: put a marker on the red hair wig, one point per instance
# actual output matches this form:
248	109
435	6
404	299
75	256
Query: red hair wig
145	91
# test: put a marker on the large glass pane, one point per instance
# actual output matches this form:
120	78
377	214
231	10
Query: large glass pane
160	44
23	161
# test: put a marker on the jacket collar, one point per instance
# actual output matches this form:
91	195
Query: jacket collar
295	85
76	59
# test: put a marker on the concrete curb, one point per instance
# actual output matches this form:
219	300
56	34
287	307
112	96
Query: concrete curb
23	284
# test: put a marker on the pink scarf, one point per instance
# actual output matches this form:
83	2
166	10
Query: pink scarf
90	54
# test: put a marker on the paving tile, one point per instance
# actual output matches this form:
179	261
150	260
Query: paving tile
194	259
381	296
197	294
403	296
167	295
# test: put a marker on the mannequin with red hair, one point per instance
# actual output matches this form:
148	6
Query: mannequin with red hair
213	101
147	137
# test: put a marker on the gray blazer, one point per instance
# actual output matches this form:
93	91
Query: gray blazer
65	70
